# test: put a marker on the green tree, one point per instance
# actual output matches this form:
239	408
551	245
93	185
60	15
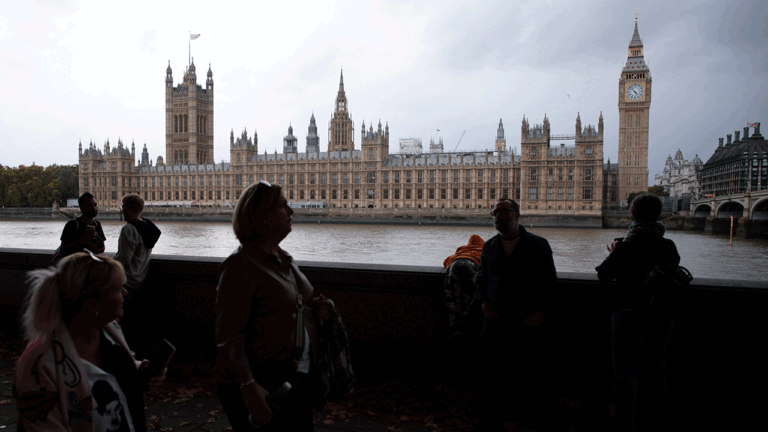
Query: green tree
37	186
658	191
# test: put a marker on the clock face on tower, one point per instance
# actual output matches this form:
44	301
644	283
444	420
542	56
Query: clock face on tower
635	91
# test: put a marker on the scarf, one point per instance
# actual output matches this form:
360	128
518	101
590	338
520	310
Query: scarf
644	229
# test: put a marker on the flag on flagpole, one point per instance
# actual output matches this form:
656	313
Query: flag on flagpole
438	130
194	36
752	124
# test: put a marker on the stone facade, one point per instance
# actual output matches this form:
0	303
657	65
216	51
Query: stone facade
680	176
545	178
634	105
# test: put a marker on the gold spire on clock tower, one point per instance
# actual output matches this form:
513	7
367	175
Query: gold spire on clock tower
634	105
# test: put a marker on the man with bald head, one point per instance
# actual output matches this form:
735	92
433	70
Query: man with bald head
515	287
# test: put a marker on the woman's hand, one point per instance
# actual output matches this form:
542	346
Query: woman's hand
324	308
156	381
612	246
255	398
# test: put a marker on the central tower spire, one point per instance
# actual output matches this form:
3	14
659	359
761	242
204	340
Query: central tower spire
341	126
341	98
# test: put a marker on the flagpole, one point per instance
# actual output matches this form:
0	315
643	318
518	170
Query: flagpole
189	41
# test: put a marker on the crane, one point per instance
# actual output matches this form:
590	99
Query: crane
457	144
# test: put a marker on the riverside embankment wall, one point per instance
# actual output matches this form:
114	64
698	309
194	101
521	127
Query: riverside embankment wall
396	319
470	217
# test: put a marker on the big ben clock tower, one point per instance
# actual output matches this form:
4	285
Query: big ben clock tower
634	106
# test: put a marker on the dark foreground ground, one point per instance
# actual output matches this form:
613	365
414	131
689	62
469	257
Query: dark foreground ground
187	402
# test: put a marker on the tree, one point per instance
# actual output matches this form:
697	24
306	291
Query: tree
658	191
35	186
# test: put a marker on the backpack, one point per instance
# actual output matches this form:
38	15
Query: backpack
669	287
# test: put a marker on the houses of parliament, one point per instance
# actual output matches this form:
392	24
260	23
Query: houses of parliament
544	179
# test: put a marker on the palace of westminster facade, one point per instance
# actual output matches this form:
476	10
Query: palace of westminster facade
544	179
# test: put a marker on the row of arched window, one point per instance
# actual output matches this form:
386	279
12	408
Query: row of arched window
181	123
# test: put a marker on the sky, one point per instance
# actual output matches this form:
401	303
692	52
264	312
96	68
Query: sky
81	71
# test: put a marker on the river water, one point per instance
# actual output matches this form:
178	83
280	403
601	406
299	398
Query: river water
575	249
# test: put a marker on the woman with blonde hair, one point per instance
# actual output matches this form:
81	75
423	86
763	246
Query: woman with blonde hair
77	372
268	321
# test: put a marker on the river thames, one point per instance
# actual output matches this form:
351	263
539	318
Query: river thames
575	249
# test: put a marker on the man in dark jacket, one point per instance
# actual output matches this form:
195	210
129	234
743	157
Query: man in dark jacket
83	232
640	331
515	287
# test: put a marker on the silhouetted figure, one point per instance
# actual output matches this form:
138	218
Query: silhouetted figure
640	331
84	231
516	285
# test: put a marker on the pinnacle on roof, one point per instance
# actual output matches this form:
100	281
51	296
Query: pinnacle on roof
168	70
192	66
636	41
210	74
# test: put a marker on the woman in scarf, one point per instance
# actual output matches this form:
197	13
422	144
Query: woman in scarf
639	331
267	320
77	372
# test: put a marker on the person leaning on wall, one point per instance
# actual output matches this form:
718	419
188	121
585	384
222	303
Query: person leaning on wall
640	331
134	250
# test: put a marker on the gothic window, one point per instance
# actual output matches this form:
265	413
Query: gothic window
467	193
479	176
186	156
468	176
323	178
408	177
407	194
311	179
431	193
506	176
419	193
175	124
371	194
443	176
455	193
551	172
238	158
443	194
371	178
312	194
385	193
570	193
357	193
357	177
587	173
421	176
570	174
587	195
559	193
397	193
532	174
479	193
186	118
533	193
533	152
493	176
385	177
589	151
549	193
455	176
493	194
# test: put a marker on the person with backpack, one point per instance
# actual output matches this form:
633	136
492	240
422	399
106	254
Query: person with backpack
134	251
643	316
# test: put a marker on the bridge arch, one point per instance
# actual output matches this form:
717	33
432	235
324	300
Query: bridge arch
730	208
760	210
702	210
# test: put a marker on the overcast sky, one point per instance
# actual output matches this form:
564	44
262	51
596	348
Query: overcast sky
92	70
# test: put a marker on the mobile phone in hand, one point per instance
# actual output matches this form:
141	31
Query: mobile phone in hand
159	359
